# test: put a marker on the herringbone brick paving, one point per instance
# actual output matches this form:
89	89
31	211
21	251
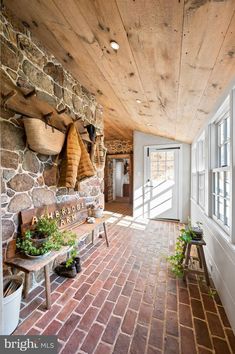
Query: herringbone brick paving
127	301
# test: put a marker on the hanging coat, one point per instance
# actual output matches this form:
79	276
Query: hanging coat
85	167
71	156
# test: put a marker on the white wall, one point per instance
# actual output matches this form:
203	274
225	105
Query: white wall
140	141
220	251
220	258
119	179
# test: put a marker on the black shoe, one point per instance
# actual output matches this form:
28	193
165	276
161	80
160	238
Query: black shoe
67	272
78	264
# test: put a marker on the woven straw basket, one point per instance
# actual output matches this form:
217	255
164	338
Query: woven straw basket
43	138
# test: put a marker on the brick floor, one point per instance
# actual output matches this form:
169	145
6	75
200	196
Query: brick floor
127	301
120	207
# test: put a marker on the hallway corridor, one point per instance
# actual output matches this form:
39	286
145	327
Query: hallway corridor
127	301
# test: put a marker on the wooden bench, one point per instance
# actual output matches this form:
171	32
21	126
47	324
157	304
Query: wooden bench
27	265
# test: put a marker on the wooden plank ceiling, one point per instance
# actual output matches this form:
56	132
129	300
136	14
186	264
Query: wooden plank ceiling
176	57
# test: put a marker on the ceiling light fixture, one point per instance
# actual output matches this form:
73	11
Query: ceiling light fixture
138	101
114	45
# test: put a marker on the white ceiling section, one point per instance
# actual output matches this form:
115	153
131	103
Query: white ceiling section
176	57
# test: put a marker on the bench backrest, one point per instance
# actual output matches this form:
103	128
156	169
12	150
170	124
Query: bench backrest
69	214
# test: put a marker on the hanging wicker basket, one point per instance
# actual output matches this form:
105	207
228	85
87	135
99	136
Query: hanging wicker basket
99	154
42	137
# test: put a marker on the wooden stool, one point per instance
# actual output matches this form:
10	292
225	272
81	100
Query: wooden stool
201	258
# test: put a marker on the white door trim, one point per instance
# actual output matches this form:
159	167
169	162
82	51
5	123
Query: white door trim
180	179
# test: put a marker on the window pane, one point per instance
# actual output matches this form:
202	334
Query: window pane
170	155
170	170
227	128
214	182
227	154
221	133
221	209
194	166
161	166
227	180
226	216
201	195
215	208
221	183
222	154
194	186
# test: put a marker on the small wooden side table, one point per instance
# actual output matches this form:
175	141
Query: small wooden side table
201	258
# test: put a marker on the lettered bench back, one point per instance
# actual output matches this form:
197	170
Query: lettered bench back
69	214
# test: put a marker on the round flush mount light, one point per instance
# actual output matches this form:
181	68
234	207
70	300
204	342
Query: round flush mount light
114	45
138	101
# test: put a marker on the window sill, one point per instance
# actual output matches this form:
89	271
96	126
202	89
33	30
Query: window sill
220	233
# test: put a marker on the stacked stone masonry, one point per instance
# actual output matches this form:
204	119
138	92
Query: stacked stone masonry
119	146
28	179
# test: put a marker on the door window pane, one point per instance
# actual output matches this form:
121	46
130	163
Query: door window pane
161	165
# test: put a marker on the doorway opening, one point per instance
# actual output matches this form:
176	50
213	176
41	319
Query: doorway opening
119	183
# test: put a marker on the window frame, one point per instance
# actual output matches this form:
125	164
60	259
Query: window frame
194	196
221	115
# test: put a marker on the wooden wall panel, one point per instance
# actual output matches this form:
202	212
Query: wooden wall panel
177	57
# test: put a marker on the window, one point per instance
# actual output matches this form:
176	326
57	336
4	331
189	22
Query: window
201	171
198	171
223	128
194	173
201	189
161	166
221	172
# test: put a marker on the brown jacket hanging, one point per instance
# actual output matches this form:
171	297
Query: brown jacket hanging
85	167
71	156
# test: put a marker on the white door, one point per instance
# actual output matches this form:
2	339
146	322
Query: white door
161	190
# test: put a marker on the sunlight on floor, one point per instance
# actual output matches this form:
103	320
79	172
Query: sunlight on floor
127	221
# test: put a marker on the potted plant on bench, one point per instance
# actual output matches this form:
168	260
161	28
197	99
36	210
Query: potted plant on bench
44	238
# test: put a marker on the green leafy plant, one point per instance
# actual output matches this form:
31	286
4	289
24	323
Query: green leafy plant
46	226
176	260
211	291
55	239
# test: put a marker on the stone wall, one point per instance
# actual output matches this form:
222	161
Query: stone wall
108	180
28	179
119	146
